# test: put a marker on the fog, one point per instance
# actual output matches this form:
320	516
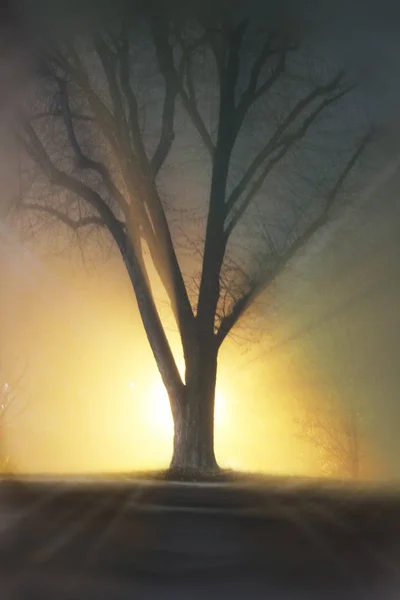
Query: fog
328	331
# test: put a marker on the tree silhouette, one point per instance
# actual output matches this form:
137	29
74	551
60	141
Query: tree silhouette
104	127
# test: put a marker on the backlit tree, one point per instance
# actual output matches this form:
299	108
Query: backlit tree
120	105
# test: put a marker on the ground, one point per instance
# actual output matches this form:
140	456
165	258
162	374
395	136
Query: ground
126	538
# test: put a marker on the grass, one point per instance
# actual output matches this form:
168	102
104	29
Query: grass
197	475
185	475
192	475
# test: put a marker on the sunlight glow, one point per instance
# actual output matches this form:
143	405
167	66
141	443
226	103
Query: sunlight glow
104	395
158	411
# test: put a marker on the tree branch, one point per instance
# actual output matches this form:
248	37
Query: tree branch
143	194
155	224
276	140
167	68
84	161
78	74
73	224
133	111
286	143
106	121
247	101
164	48
109	61
215	241
253	91
265	52
259	286
59	113
38	153
147	308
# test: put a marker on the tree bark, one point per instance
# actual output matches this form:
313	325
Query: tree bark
193	447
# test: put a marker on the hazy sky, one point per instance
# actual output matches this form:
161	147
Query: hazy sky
332	322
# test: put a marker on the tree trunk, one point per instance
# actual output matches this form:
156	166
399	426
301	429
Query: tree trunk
194	420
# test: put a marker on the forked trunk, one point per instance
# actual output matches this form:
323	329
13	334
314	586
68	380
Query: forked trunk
194	421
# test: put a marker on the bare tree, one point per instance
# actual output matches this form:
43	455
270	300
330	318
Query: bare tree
5	401
9	389
258	114
336	433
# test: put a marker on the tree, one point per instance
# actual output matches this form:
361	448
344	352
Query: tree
5	401
8	401
89	135
337	436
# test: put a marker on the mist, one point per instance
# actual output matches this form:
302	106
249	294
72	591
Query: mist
329	329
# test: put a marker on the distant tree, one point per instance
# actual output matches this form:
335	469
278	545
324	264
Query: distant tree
9	390
5	400
117	107
336	433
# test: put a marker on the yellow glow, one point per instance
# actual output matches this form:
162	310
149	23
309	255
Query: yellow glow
94	399
157	409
